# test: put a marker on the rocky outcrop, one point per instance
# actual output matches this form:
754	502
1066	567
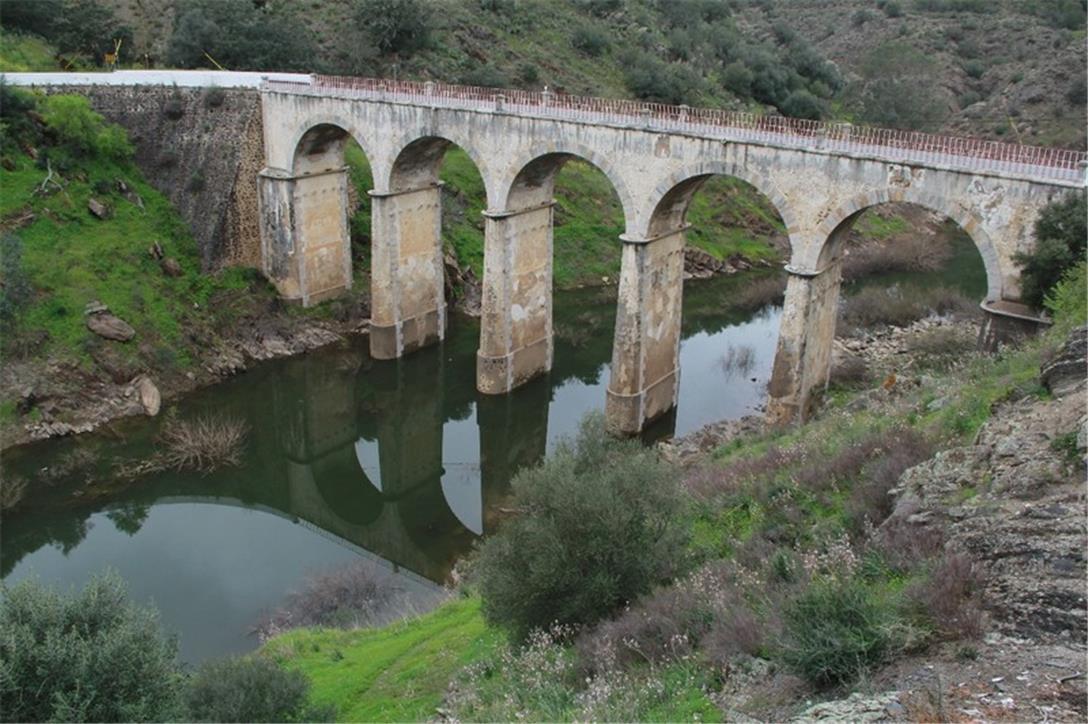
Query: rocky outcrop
1064	371
108	326
698	264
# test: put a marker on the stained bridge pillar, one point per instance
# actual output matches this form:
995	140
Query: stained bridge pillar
802	362
516	309
305	246
645	355
408	303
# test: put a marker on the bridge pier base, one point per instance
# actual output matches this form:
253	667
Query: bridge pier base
645	356
802	361
516	309
408	303
305	245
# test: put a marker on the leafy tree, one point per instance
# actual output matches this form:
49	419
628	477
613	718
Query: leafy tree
394	26
91	656
1061	238
652	79
601	522
239	36
897	89
31	16
802	104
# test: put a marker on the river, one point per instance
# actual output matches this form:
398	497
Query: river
401	462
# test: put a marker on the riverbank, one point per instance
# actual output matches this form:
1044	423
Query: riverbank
995	478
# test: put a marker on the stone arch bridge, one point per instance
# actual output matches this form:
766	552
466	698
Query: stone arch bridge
819	176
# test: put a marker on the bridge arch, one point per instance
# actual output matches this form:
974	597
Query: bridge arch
668	204
418	161
320	141
530	179
833	229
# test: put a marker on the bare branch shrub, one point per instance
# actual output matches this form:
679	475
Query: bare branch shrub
914	253
898	307
738	360
203	444
760	293
949	597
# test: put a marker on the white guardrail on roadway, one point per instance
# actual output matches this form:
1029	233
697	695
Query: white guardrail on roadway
180	78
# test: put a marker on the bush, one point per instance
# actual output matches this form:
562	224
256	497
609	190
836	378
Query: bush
834	631
896	89
485	76
652	79
214	97
589	40
249	688
239	35
15	286
974	68
1067	301
203	444
1061	239
802	104
82	133
600	522
394	26
91	656
947	597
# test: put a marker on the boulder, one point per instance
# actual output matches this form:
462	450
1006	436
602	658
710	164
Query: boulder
171	268
113	363
1066	370
149	396
109	326
99	209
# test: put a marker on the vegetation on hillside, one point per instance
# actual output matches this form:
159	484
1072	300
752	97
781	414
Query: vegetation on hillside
1061	243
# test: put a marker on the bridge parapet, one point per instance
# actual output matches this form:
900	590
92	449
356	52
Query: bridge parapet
959	153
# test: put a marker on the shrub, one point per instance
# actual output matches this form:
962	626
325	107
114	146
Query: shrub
214	97
802	104
82	133
1077	94
353	596
202	444
652	79
1061	239
737	79
485	76
589	40
196	182
601	522
860	17
15	287
239	35
834	631
896	88
249	688
974	68
91	656
394	26
1067	301
898	307
948	597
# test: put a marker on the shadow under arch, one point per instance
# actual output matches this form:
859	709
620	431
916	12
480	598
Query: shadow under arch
320	143
836	227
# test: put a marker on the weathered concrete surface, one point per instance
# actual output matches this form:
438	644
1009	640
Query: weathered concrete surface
516	312
646	353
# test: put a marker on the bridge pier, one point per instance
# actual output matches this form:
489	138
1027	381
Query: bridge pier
802	361
645	355
408	303
306	248
516	310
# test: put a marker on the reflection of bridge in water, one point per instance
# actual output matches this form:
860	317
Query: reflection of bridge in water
367	463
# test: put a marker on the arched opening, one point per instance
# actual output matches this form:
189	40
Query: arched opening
902	263
557	230
735	242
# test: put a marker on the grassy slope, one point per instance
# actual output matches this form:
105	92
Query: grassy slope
24	53
397	673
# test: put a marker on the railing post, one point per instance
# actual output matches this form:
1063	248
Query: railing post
500	100
545	98
644	117
428	88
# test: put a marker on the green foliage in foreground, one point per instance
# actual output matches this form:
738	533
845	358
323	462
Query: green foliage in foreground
1061	241
602	521
92	656
1068	300
397	673
250	689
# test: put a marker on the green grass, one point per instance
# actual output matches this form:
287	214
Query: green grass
72	258
25	53
397	673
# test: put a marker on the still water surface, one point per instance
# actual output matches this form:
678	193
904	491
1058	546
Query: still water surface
401	462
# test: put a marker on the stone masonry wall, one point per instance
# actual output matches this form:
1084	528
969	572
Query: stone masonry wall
203	150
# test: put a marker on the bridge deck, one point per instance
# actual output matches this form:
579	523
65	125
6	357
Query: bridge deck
960	153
